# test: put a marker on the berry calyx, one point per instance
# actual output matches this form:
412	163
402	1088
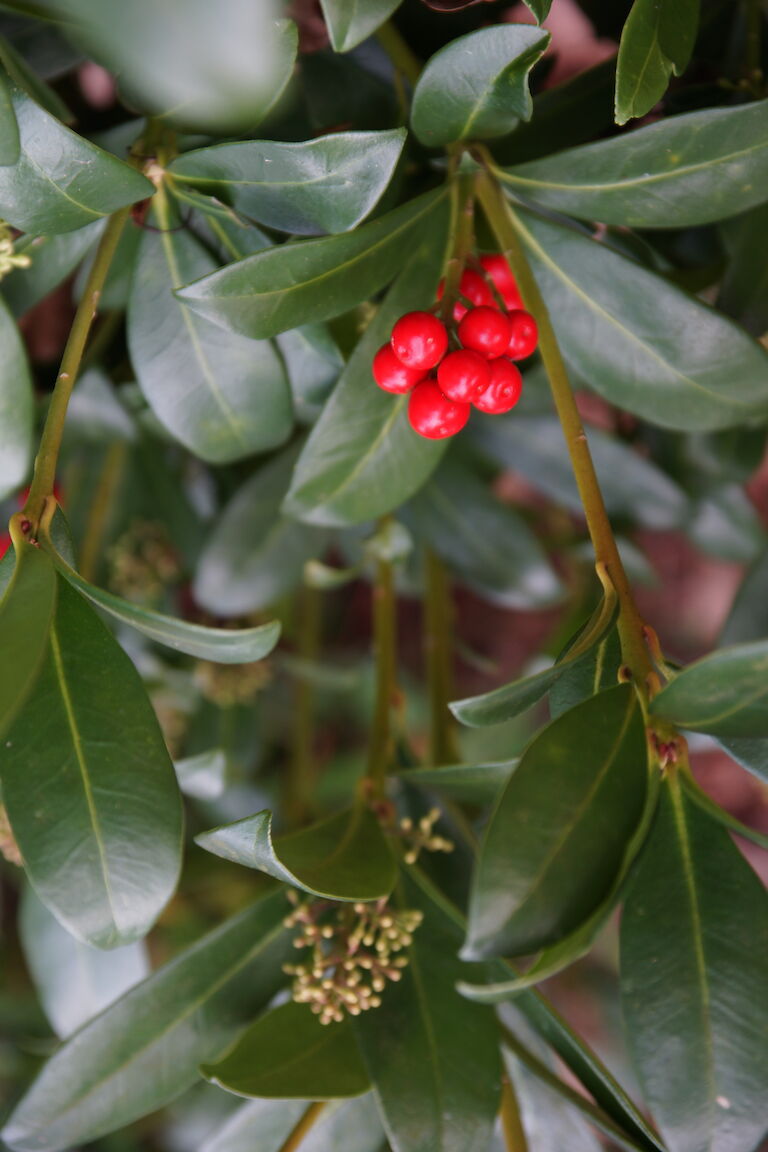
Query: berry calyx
391	374
433	415
419	340
463	375
504	389
474	288
525	335
497	267
486	331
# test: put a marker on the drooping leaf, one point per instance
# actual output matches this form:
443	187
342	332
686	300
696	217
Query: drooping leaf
53	258
748	617
202	776
324	185
724	693
262	1124
469	783
549	1121
287	1054
74	981
343	857
696	919
750	754
26	614
591	673
89	786
682	171
557	837
641	342
362	458
725	523
310	280
657	40
9	129
222	396
145	1049
61	181
254	555
433	1057
349	22
476	87
484	543
16	407
343	1126
720	815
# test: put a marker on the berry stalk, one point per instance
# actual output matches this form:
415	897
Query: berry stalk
385	648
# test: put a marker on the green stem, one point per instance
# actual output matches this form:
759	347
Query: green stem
385	648
309	1118
463	231
508	229
511	1123
50	443
438	632
302	778
101	505
399	53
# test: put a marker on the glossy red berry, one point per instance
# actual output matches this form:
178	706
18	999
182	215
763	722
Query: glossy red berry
463	375
433	415
391	374
5	543
419	340
486	331
500	272
475	288
525	335
504	389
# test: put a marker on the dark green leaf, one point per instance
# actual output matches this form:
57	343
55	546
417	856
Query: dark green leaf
311	280
362	458
641	342
253	555
287	1054
469	783
593	672
222	396
26	614
344	857
484	543
724	523
117	287
432	1056
27	78
352	21
16	407
724	694
680	172
744	289
324	185
53	259
657	41
557	837
749	613
204	775
145	1049
222	645
346	1126
476	87
89	787
696	919
314	364
702	800
510	700
750	754
61	181
74	981
9	129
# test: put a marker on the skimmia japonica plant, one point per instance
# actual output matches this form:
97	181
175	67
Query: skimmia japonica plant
334	278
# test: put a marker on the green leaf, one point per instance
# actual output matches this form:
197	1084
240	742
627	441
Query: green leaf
102	855
680	172
484	543
309	280
749	612
9	129
145	1049
350	22
468	783
253	556
433	1057
591	673
540	8
313	363
23	76
343	857
744	288
203	776
287	1054
476	87
222	396
53	259
222	645
362	458
639	341
557	837
26	614
705	802
510	700
657	41
750	754
725	523
324	185
696	918
343	1126
16	407
74	982
61	181
724	693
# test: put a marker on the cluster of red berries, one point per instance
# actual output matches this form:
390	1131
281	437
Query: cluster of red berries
489	332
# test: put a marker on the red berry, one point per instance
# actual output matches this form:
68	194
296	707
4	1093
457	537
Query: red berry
391	374
463	375
500	272
525	335
474	288
419	340
433	415
486	331
5	543
504	390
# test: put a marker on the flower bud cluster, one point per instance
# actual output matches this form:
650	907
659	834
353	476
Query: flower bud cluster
143	563
8	258
229	684
355	951
419	836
